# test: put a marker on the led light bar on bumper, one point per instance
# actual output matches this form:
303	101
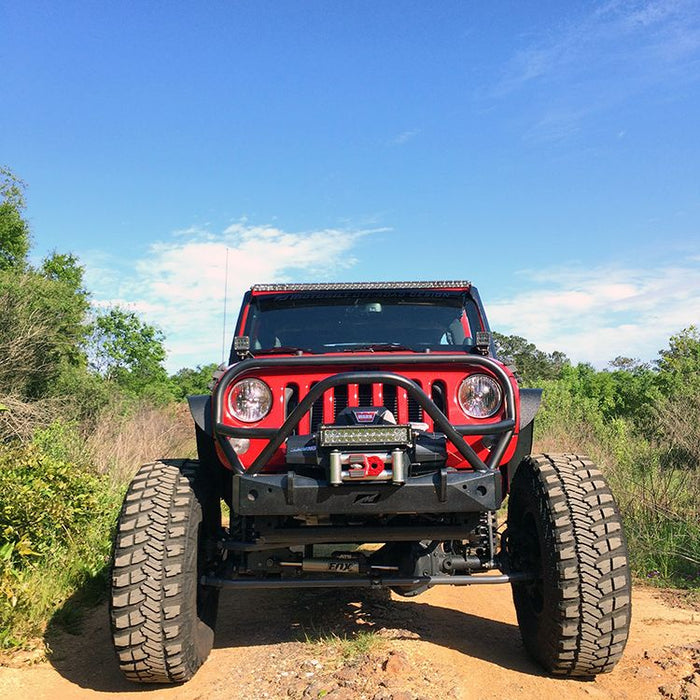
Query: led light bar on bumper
354	435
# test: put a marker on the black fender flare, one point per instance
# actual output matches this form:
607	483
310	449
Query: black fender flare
200	409
216	475
530	400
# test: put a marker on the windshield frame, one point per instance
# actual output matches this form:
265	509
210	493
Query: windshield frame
413	301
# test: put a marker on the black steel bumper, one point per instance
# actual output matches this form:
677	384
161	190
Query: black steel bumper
291	494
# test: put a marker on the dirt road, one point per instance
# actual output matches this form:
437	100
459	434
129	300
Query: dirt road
447	643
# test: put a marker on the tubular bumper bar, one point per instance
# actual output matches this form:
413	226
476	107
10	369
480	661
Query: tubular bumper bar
277	436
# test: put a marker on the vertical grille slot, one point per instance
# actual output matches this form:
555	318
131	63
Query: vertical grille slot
390	400
341	399
438	392
365	393
316	411
415	411
291	401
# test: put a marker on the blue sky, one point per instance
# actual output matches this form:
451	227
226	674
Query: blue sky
548	151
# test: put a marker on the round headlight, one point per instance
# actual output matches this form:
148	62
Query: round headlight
480	396
250	400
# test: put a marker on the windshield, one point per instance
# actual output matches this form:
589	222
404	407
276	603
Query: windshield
383	321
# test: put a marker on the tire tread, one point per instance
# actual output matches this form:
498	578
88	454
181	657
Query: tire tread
592	571
149	578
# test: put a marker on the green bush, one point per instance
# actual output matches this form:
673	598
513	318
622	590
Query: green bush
45	501
55	522
62	441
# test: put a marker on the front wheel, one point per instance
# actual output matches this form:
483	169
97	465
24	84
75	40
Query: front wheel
162	617
564	525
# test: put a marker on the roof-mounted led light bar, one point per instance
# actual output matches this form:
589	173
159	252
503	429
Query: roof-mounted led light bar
337	286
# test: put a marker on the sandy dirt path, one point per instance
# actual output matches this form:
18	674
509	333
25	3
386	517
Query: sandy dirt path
447	643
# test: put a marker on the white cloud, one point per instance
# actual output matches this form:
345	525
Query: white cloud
641	37
597	60
405	136
591	314
179	284
595	314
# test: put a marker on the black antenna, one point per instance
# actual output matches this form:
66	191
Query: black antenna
223	338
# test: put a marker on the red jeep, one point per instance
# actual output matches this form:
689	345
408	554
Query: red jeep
367	414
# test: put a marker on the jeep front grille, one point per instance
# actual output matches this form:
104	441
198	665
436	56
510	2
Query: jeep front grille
404	408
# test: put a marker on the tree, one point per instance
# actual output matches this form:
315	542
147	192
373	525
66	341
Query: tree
679	365
126	350
677	411
188	381
42	328
42	312
531	363
14	230
66	269
628	364
65	276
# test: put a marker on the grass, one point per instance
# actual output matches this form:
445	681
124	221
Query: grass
61	582
351	647
123	440
59	585
659	500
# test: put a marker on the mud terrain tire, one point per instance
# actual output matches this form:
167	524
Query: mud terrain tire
564	524
162	619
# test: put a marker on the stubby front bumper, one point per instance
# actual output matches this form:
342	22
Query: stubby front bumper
291	494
